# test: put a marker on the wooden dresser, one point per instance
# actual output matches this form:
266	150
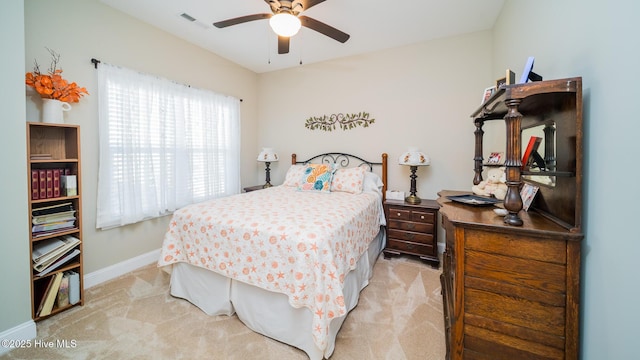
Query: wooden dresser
412	229
511	285
509	292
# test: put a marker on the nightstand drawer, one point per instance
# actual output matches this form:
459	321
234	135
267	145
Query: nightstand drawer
421	216
411	215
410	226
410	236
411	248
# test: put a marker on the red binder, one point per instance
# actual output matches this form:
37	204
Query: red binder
42	174
49	183
56	182
35	189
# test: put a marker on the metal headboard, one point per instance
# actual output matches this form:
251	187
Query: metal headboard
344	160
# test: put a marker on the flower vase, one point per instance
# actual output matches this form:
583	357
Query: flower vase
52	111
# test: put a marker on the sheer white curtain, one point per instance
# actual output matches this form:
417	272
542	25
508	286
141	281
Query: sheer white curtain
163	145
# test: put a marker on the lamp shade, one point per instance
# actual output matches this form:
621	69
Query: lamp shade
268	155
414	157
285	24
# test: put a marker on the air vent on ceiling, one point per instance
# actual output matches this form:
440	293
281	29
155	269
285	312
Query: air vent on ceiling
188	17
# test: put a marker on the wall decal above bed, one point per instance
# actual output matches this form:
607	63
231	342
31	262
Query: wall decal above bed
346	121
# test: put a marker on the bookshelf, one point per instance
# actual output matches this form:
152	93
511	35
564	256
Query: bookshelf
55	217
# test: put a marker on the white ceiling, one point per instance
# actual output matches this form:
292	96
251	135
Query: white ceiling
372	24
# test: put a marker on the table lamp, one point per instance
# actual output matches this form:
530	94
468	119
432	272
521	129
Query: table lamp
413	158
267	155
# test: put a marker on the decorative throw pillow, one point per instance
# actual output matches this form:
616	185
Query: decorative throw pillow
348	180
316	177
294	175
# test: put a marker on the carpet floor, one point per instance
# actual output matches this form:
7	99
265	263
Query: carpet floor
399	316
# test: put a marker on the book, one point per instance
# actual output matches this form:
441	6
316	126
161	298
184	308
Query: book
44	262
60	262
50	298
40	157
56	183
42	174
45	247
52	209
61	216
68	243
49	174
69	185
35	189
53	226
63	293
49	281
74	287
532	146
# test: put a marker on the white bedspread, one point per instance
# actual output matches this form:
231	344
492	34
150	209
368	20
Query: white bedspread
298	243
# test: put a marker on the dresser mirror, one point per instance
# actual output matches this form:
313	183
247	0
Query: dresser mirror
543	161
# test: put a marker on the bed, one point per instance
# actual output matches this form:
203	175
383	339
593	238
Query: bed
289	260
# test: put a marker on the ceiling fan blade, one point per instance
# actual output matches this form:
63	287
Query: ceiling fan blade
323	28
306	4
283	45
241	19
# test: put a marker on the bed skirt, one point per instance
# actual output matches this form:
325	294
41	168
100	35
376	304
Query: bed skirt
218	295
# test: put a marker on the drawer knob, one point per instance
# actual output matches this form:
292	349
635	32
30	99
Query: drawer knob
399	214
422	217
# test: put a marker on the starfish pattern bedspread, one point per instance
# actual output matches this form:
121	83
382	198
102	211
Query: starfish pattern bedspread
298	243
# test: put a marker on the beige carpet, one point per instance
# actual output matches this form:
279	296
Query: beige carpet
399	316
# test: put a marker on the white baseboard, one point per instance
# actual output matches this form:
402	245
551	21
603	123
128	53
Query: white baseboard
27	330
115	270
24	331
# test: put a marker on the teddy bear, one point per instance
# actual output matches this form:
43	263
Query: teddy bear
494	185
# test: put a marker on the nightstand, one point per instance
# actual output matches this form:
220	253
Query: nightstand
412	230
253	188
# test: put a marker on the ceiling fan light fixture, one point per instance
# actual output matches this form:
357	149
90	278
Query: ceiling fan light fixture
285	24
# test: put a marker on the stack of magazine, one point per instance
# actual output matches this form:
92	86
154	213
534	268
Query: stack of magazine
50	254
52	219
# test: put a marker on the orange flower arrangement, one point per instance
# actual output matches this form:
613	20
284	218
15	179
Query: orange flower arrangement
52	85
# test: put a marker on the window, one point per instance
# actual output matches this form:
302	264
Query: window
163	145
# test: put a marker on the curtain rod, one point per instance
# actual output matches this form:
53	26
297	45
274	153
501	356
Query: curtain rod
95	63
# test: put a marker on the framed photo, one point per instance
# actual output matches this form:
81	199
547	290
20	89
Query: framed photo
495	158
487	93
508	79
528	67
532	147
528	193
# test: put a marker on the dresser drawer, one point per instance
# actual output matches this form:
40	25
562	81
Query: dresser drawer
410	236
426	217
410	226
411	247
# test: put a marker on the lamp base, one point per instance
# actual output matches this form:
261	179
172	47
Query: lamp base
267	185
412	199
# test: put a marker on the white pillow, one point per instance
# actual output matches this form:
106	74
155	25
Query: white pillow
372	183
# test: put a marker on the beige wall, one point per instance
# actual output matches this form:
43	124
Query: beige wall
420	95
85	29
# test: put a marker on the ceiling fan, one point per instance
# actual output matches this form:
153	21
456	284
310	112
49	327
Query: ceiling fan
286	20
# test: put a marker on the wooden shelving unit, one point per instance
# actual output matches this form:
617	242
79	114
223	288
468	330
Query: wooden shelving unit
54	147
511	287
